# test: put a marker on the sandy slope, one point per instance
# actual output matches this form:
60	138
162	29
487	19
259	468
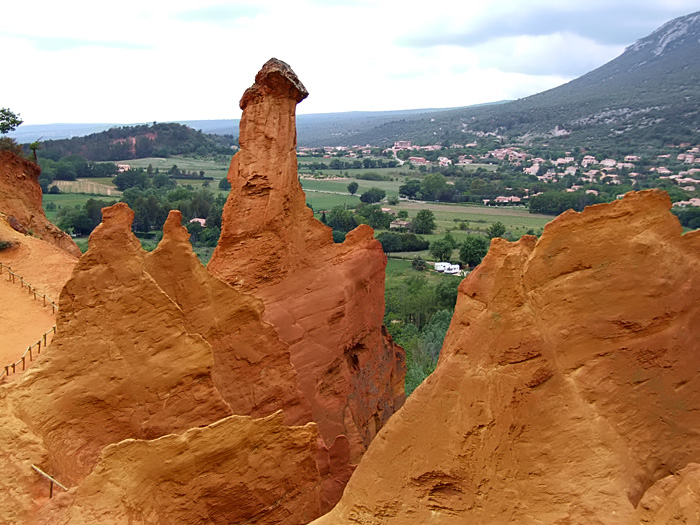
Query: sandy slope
22	320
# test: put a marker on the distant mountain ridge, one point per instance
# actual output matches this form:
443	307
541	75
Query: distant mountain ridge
650	93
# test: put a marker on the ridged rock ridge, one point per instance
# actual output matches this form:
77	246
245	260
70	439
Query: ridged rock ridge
567	389
149	347
326	300
20	202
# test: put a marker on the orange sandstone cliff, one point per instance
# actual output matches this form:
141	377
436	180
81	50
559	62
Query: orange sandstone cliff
20	202
567	389
149	348
326	300
122	364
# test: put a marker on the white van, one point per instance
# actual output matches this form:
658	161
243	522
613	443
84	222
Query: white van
442	266
452	268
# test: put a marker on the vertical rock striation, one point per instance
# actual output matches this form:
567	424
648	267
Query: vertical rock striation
567	388
20	202
326	300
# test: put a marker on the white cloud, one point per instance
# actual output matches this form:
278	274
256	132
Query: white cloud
145	60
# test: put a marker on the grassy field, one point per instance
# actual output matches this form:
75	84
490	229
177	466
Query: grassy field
63	200
390	187
209	166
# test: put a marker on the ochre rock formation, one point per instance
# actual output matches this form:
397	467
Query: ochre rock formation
326	300
567	387
237	470
252	369
122	364
149	346
20	202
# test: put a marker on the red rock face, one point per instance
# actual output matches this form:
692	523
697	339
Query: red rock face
20	202
326	300
567	388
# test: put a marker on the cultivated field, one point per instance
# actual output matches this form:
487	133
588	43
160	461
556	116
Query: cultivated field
93	186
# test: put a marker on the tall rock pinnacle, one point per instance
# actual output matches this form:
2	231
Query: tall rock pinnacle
325	299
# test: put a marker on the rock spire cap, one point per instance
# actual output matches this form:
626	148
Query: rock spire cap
276	78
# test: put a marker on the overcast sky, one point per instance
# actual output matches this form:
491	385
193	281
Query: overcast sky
144	60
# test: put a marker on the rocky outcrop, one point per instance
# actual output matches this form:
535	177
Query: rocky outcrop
252	369
20	202
237	470
567	388
122	364
326	300
151	345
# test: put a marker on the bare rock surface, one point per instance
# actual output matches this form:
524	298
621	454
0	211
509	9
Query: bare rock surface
122	364
326	300
237	470
252	369
567	389
20	202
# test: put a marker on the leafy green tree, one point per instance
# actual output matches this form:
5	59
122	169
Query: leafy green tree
373	195
418	263
352	187
424	222
410	188
224	184
391	242
8	120
432	185
473	250
340	219
441	249
402	214
446	291
497	229
373	215
34	146
131	179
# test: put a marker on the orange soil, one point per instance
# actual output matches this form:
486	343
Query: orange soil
23	321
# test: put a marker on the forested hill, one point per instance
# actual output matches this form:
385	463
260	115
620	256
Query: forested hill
649	93
134	142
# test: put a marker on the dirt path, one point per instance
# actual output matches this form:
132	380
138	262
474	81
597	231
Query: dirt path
22	320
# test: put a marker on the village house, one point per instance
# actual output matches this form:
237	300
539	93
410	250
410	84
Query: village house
608	163
690	202
444	161
402	144
532	170
418	161
398	224
588	160
631	158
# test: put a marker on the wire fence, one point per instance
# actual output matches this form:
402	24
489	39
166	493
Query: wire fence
12	368
12	276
